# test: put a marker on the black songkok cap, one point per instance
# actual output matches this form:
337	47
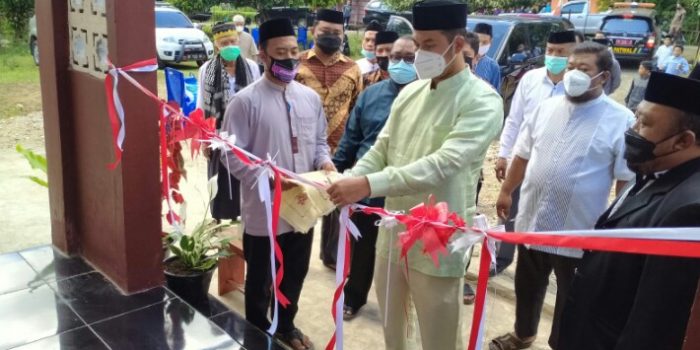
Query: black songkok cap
674	91
374	26
439	15
331	16
565	37
275	28
222	27
604	42
484	28
386	38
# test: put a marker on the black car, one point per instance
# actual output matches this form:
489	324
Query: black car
519	43
632	33
377	10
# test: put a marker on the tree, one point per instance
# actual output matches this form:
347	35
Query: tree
193	6
17	12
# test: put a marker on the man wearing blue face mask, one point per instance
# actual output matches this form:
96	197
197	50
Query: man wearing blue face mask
366	121
368	63
483	65
536	86
434	143
568	155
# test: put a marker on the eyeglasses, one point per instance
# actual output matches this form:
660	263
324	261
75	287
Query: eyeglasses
407	58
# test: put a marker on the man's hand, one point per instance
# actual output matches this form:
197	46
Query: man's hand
503	204
501	167
349	190
329	167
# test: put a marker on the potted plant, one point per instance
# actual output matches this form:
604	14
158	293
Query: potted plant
189	270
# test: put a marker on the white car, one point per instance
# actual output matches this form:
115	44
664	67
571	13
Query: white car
178	40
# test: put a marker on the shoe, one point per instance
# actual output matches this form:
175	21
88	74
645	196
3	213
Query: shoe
469	296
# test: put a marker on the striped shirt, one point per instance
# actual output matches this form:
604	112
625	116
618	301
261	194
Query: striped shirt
487	69
574	153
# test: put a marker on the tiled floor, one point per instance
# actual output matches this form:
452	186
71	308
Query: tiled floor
49	301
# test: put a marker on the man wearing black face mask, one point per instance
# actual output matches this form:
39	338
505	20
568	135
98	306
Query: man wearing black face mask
338	81
275	116
633	301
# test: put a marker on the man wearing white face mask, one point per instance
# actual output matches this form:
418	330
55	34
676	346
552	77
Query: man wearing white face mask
567	158
433	143
536	86
245	40
485	66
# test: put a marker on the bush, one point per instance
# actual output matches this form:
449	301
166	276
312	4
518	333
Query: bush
17	14
224	13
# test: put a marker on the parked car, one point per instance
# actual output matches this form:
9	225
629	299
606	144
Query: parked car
380	11
178	40
632	32
579	13
519	43
33	43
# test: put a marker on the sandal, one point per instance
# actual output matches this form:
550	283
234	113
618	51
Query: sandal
349	313
469	295
510	342
295	339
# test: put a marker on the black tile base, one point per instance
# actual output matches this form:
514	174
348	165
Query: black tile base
94	298
77	339
16	274
168	325
50	301
51	265
31	314
245	333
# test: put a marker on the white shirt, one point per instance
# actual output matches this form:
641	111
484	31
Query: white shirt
366	66
254	71
534	87
575	151
662	53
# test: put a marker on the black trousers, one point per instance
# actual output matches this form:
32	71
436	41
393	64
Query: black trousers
531	279
362	260
258	283
329	237
506	251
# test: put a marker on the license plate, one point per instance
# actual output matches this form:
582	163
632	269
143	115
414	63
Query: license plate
624	50
624	42
196	57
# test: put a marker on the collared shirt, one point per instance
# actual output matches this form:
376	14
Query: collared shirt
676	65
662	53
534	87
366	121
488	69
366	66
338	83
247	45
575	151
434	142
267	119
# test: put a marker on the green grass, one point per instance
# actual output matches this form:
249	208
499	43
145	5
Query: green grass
19	81
355	38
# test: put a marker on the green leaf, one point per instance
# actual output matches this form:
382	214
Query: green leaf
176	251
186	243
36	161
39	181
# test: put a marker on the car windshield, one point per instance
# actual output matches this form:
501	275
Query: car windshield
626	26
171	19
500	30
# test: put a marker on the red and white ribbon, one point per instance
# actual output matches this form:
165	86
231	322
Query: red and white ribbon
679	242
115	109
